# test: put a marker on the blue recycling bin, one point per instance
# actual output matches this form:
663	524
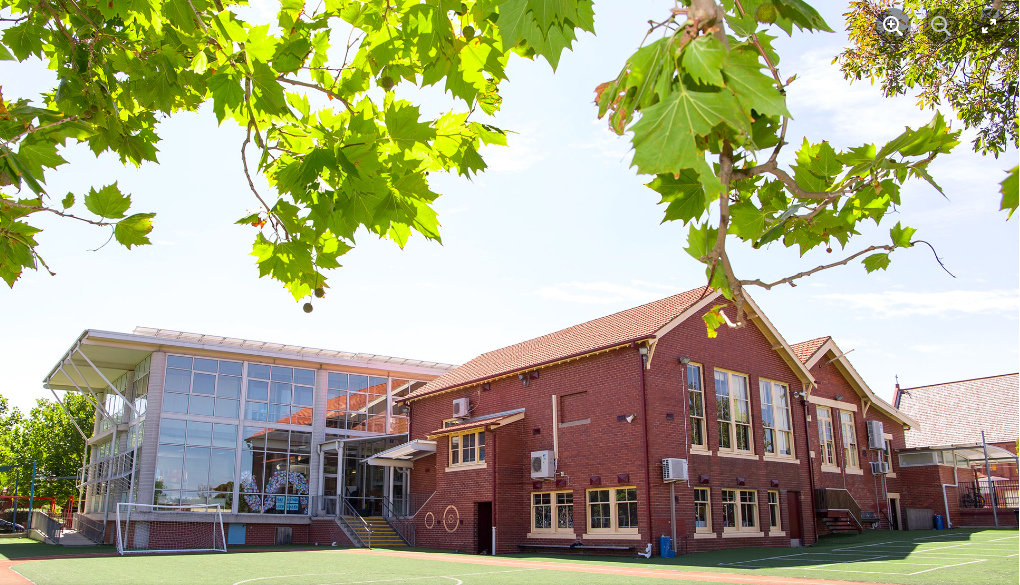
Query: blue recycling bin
666	547
940	523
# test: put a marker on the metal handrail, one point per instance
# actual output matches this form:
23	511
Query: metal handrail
401	524
47	525
349	511
843	501
89	528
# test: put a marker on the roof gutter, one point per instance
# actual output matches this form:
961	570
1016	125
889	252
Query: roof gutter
504	374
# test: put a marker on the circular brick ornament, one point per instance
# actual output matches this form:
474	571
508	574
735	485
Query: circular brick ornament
430	520
451	518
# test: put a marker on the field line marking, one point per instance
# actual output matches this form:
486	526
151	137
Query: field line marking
947	567
283	577
867	545
1004	538
766	559
845	562
454	577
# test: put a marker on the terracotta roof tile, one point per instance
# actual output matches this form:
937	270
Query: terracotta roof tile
955	413
616	329
805	349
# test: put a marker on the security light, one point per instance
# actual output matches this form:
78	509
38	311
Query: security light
685	360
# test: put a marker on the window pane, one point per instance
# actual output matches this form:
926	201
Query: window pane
205	365
303	395
279	393
203	405
282	374
172	430
196	468
224	435
696	404
276	439
357	383
336	381
204	384
260	371
176	361
221	470
305	377
199	433
741	400
228	387
300	442
693	378
258	390
177	381
255	411
279	413
254	438
175	402
543	516
231	368
227	408
722	396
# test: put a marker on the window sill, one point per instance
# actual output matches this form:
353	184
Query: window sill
575	423
559	535
700	451
854	471
740	534
738	455
701	535
775	534
780	459
891	475
612	536
467	467
830	469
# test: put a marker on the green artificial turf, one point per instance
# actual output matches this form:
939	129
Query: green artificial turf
882	557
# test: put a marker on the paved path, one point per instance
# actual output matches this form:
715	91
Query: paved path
675	574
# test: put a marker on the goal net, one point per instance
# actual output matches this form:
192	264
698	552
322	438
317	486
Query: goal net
148	528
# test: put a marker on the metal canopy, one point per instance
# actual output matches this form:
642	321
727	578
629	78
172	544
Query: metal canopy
338	443
403	455
972	452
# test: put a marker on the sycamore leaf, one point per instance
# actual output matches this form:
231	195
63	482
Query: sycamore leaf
67	201
746	220
683	192
755	90
703	59
901	235
876	262
700	240
714	319
108	202
5	55
1008	189
134	230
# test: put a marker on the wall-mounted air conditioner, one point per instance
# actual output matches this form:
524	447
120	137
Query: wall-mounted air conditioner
876	435
461	406
879	467
674	470
542	465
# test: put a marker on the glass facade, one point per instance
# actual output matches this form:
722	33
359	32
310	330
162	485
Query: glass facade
202	386
274	471
279	394
195	463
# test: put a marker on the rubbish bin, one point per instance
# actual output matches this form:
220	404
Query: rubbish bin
666	548
940	523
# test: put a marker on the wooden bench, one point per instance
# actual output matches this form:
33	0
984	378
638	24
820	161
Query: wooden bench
572	547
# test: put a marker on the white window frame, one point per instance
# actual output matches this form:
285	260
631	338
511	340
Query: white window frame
697	420
848	432
826	440
554	506
731	425
614	515
775	391
737	505
458	450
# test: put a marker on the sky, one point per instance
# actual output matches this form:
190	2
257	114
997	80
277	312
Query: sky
557	231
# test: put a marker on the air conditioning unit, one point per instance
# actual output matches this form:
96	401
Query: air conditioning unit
879	467
542	465
674	470
876	435
461	407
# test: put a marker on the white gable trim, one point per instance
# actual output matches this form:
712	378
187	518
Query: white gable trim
692	310
857	382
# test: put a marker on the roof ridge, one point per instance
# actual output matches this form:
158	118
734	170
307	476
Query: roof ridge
959	381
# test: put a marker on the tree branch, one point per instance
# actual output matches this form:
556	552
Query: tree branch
789	279
331	94
13	203
251	185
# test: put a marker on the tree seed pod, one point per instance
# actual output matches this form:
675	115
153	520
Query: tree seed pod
307	308
766	13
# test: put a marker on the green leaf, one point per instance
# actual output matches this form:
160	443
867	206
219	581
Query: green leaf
746	220
227	93
901	236
684	193
664	137
68	201
5	55
24	39
108	202
876	262
700	240
1009	188
703	59
134	230
755	90
802	14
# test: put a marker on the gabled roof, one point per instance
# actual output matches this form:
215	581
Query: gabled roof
815	349
645	323
957	412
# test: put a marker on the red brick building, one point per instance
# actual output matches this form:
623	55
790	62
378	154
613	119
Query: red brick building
565	438
944	459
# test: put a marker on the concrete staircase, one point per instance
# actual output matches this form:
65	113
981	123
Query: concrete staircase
383	535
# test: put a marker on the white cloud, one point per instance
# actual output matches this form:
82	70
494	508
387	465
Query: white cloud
605	293
520	154
901	304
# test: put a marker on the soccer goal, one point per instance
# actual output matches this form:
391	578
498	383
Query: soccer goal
148	528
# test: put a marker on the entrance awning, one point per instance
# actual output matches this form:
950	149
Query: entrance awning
403	455
972	452
338	443
489	421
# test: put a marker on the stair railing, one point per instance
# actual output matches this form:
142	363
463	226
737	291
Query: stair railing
839	500
403	525
359	527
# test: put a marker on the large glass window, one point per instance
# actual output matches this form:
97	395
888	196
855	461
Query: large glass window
202	386
467	448
740	510
195	463
849	432
601	506
733	411
776	420
696	400
356	402
825	442
279	394
702	510
398	416
552	512
274	471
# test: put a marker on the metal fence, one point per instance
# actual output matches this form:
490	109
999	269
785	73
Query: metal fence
47	525
93	530
979	495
